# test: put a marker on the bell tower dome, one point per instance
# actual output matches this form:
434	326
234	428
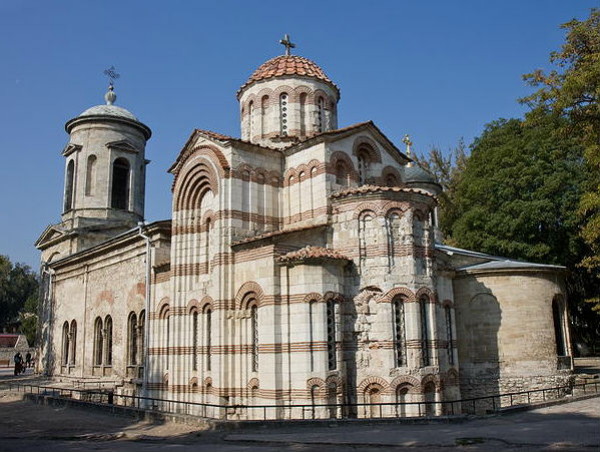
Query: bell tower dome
104	170
287	99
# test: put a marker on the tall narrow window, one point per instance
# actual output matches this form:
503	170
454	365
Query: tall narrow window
363	167
73	342
90	176
311	326
195	340
132	339
264	105
449	336
69	186
254	328
331	353
320	114
558	317
120	184
283	114
303	114
342	174
168	340
207	244
142	331
98	342
364	238
423	303
250	120
108	329
399	331
65	344
393	236
208	314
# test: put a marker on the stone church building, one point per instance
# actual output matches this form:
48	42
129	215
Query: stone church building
302	266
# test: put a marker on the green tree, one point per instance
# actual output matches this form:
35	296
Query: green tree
516	193
17	283
29	318
572	91
447	168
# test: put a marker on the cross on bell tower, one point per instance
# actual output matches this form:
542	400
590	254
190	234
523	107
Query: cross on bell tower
287	43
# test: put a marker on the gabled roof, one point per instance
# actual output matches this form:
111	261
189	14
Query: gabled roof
51	234
217	138
278	233
338	134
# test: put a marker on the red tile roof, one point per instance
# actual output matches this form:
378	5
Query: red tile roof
288	65
8	340
312	252
376	189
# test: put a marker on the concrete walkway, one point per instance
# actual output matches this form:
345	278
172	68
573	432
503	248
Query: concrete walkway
569	426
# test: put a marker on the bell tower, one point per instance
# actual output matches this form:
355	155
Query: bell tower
105	171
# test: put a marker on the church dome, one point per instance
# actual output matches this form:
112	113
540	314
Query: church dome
417	174
288	65
109	110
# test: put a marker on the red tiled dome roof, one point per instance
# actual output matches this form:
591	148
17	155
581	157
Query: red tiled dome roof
288	65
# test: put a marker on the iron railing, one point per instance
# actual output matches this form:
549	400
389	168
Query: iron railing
475	405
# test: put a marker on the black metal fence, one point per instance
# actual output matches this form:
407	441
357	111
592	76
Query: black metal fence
477	405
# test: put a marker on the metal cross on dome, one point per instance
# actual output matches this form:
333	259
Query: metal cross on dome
287	43
112	74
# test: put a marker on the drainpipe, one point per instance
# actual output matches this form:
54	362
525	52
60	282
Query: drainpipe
141	225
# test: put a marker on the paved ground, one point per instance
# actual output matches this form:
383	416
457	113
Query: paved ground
26	426
573	426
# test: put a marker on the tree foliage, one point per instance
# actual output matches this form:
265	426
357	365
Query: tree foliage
447	168
516	193
572	91
17	284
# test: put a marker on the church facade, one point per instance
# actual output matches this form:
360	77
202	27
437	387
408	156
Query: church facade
301	266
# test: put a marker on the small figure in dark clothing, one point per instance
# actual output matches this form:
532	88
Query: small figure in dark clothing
28	359
18	359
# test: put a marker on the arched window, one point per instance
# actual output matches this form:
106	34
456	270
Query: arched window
449	335
208	333
98	342
254	332
264	106
429	392
65	344
69	186
108	342
132	339
207	244
283	119
120	184
342	175
559	332
142	331
365	238
195	340
311	326
401	399
73	341
391	180
393	236
331	352
320	114
303	114
314	393
425	330
250	119
363	166
399	331
90	176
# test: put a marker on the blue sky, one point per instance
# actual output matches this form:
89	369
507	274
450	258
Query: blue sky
438	70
